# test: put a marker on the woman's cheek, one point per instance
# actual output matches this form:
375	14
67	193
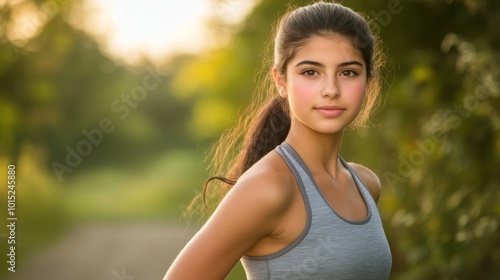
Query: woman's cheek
357	90
303	90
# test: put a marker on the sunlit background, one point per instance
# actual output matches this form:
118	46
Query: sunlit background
108	110
132	30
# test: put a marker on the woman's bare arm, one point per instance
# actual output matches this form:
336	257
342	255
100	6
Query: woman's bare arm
250	211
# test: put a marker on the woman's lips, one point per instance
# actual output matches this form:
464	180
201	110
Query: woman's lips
330	110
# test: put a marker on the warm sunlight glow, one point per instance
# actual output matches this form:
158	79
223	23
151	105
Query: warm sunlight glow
134	29
28	20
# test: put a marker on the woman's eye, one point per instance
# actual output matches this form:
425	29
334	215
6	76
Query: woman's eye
348	73
309	72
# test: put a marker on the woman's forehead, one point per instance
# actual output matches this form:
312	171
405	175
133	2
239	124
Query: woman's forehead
328	48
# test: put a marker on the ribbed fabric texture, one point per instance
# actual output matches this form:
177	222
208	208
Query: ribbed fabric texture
330	247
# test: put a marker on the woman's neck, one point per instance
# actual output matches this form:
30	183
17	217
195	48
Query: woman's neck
319	151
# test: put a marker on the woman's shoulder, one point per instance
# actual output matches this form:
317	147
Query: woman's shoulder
269	180
369	178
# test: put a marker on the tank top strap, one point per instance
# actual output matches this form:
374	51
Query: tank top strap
312	196
372	206
295	163
301	175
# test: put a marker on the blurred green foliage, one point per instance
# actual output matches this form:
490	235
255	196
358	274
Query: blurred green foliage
435	143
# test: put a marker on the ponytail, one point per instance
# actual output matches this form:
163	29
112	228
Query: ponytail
257	133
269	130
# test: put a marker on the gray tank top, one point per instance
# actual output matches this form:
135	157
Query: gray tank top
331	246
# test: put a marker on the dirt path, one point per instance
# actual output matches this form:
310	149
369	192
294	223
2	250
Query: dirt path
109	252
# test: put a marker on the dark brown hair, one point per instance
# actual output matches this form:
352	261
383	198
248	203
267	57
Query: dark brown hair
266	122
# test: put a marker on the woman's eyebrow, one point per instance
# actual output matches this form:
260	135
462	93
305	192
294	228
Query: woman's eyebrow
319	64
315	63
347	63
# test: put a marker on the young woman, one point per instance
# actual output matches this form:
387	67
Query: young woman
295	209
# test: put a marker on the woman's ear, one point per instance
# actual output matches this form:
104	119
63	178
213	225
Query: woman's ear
280	82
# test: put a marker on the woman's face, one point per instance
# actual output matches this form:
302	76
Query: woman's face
325	84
